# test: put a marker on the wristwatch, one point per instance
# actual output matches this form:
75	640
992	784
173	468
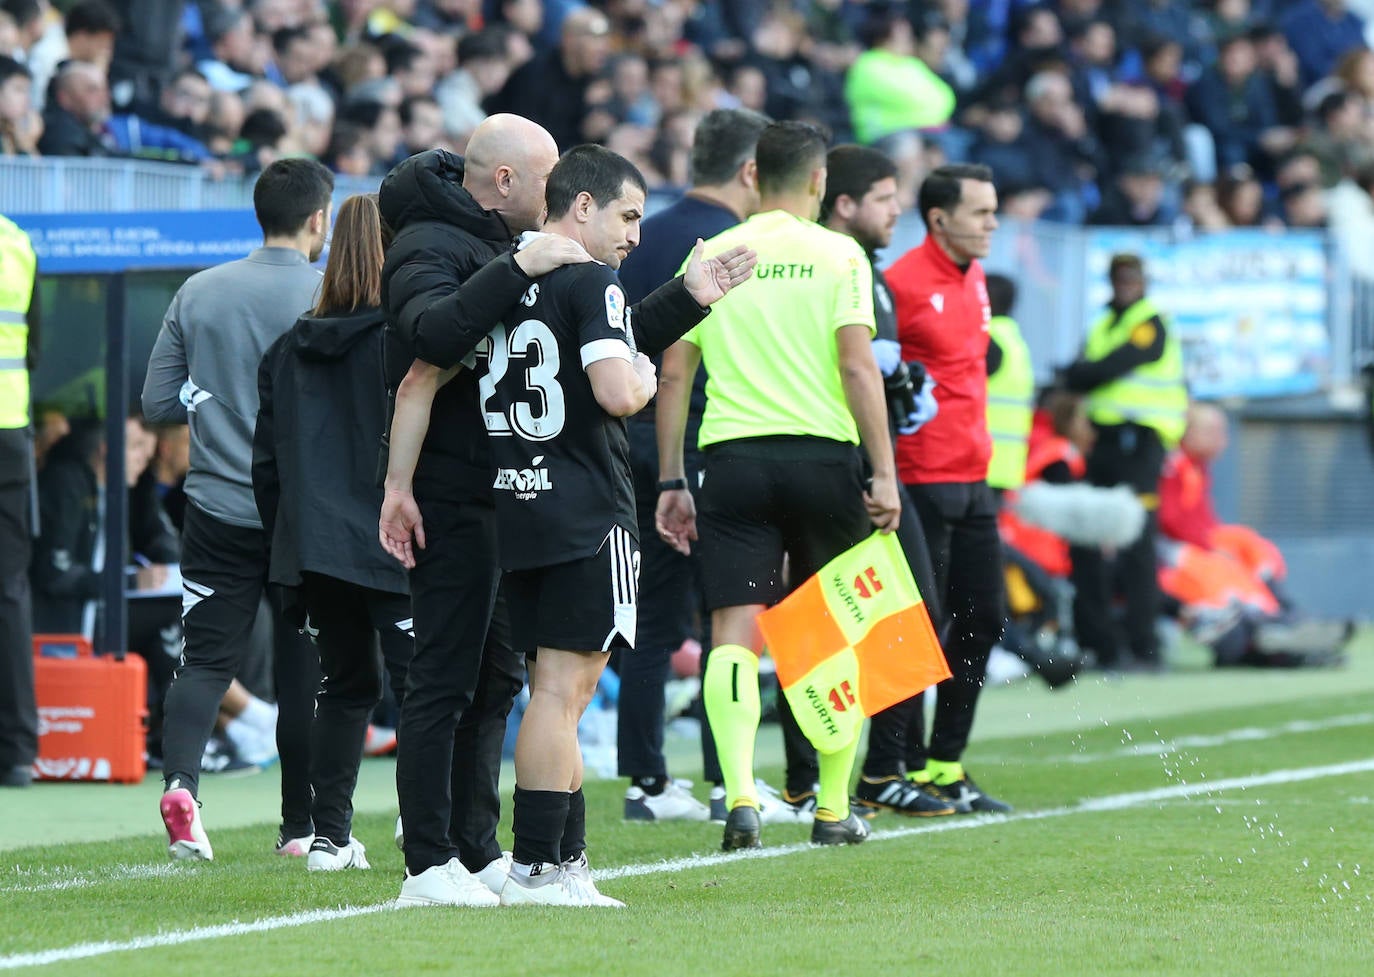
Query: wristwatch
672	484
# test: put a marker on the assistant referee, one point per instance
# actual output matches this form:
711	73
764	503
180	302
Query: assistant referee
792	388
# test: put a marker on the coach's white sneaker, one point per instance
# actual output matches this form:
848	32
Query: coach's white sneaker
781	808
544	884
185	835
494	875
326	857
581	873
676	803
445	885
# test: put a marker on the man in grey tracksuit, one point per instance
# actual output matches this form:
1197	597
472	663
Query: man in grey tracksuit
204	370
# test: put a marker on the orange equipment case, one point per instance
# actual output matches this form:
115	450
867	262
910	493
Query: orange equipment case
92	711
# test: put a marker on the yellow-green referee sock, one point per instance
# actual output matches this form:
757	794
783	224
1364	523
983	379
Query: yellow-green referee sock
835	770
942	772
730	692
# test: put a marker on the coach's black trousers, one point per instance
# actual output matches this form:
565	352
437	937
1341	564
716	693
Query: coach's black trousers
463	678
224	573
18	710
355	629
960	524
888	731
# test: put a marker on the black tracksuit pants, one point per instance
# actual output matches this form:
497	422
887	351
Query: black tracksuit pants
350	625
1124	454
224	573
463	679
960	524
18	711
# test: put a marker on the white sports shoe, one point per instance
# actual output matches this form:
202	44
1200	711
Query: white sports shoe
325	857
581	873
185	834
545	885
774	808
676	803
494	875
294	847
400	835
445	885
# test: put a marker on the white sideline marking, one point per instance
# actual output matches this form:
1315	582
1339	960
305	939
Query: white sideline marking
87	880
1246	734
1113	802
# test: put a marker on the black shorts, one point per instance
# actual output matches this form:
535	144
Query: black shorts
590	604
766	497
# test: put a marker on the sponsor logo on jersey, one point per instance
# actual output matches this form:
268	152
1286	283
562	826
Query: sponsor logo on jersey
526	483
791	270
938	300
531	296
615	307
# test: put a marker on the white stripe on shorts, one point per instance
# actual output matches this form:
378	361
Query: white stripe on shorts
624	587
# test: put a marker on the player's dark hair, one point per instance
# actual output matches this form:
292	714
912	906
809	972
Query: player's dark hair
288	192
851	171
1001	294
723	142
787	153
589	169
944	187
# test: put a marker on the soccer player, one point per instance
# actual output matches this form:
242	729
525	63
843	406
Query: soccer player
561	375
204	368
861	202
943	314
792	388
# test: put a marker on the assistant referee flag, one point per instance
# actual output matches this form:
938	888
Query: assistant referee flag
853	640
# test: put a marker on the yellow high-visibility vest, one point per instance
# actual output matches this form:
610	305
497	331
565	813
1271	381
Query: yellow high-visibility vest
17	265
1011	395
1153	395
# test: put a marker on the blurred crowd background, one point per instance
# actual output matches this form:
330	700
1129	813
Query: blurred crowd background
1213	113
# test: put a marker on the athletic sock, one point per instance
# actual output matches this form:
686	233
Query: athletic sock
730	692
259	714
653	786
575	829
918	776
539	819
942	772
835	771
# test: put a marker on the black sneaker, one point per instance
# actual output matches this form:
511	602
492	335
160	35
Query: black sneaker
851	831
966	798
741	828
902	796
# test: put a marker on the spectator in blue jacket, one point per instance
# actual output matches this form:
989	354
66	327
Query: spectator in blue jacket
1319	32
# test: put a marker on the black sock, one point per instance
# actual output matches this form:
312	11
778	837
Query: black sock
575	829
539	820
653	786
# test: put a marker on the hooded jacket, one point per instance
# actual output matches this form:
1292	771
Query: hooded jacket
321	409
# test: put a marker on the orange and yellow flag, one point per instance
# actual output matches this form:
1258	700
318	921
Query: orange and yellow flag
853	640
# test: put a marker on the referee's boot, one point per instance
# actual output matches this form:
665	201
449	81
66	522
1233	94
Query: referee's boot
828	829
742	828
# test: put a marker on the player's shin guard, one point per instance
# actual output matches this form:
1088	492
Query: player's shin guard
835	771
730	692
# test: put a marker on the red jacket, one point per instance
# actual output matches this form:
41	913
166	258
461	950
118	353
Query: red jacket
942	322
1185	501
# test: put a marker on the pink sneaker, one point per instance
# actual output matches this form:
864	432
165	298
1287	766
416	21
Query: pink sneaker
294	847
185	834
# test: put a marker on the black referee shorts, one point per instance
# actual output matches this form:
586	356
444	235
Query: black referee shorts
591	604
761	498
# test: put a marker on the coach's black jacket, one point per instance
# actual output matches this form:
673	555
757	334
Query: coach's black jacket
321	409
443	239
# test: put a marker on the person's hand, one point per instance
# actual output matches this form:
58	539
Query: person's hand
399	522
882	502
550	251
926	409
708	279
676	519
888	353
647	373
150	577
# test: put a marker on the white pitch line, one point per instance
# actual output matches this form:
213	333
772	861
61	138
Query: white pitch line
87	880
1246	734
1112	802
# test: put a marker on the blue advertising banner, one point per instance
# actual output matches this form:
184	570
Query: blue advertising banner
94	243
1248	305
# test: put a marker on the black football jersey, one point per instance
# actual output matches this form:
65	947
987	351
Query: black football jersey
563	476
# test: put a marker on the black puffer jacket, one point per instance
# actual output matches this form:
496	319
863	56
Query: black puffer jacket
321	409
443	237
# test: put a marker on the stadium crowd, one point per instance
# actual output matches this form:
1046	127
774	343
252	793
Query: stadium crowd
1216	113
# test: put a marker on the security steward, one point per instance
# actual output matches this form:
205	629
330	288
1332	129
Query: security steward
19	315
1011	389
1131	370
